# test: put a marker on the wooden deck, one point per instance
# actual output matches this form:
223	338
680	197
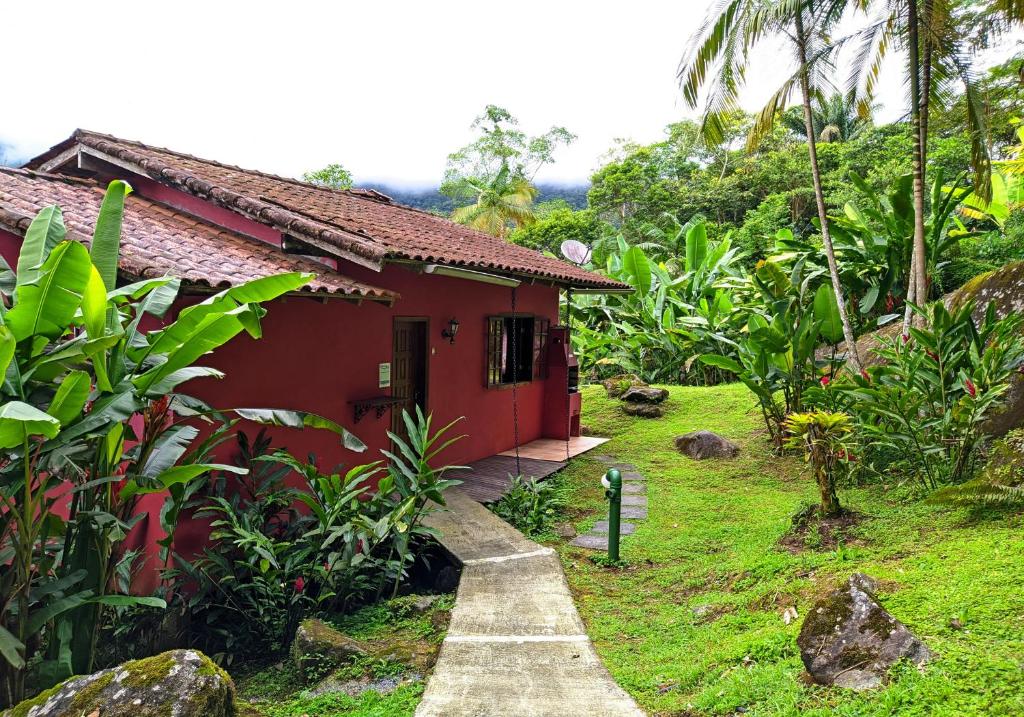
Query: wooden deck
489	478
552	449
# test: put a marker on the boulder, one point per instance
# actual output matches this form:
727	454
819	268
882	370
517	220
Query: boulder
645	394
705	444
643	410
419	655
615	386
182	683
319	647
848	639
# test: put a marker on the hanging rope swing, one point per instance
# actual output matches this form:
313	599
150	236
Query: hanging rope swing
513	351
568	348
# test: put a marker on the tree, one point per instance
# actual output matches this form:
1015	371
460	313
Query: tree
835	119
496	172
333	175
501	145
506	201
557	222
724	43
939	38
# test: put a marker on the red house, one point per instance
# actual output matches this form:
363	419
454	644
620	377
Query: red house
406	307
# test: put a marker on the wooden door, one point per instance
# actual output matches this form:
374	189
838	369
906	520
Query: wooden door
408	370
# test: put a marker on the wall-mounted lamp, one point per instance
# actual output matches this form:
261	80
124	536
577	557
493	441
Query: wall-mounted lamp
451	331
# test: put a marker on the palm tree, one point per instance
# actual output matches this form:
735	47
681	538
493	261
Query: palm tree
502	203
938	37
835	118
726	40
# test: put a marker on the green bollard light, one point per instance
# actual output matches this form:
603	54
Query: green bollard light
612	482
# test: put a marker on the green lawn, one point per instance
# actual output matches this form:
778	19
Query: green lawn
693	624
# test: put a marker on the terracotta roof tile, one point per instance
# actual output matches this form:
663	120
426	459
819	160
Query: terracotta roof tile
158	240
362	225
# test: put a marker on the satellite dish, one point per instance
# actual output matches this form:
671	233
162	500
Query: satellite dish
575	251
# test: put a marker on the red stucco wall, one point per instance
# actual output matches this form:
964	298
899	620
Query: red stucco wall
318	355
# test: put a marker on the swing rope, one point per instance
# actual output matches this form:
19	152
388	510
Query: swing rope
515	380
568	346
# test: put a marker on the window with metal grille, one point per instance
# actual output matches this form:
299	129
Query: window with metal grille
516	349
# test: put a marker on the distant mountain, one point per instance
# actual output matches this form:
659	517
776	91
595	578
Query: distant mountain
431	200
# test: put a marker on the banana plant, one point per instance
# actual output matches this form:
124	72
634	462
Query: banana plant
77	369
659	329
873	240
776	357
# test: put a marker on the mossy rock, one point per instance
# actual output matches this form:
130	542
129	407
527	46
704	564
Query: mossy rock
615	386
643	410
418	655
179	683
849	640
319	648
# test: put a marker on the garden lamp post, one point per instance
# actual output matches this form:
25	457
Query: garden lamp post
612	481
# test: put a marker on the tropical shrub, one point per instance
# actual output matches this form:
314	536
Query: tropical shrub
658	330
529	505
78	370
824	438
1000	482
929	399
777	357
270	564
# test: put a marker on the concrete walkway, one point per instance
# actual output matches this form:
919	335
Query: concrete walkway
516	646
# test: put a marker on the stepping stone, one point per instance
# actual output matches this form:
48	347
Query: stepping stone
639	501
624	466
605	459
633	512
592	541
632	475
601	526
633	488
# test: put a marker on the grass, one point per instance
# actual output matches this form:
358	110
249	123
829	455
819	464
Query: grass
693	624
279	690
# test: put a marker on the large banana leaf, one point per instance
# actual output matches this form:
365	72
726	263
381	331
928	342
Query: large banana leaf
44	233
300	419
636	265
70	398
19	420
106	239
191	318
696	246
215	330
174	476
47	306
826	312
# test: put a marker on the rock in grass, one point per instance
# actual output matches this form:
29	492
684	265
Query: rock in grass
849	640
643	410
319	647
182	683
705	444
618	385
645	394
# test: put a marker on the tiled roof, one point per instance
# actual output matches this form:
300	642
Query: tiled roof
361	225
158	241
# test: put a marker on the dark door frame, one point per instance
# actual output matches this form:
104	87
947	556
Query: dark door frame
425	320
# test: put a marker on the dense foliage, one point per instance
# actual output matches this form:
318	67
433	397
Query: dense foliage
87	405
281	552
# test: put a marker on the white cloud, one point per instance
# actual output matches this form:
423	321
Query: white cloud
387	89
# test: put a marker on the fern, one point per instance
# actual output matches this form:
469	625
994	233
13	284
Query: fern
979	490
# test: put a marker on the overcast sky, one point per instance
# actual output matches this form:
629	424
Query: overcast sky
386	88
